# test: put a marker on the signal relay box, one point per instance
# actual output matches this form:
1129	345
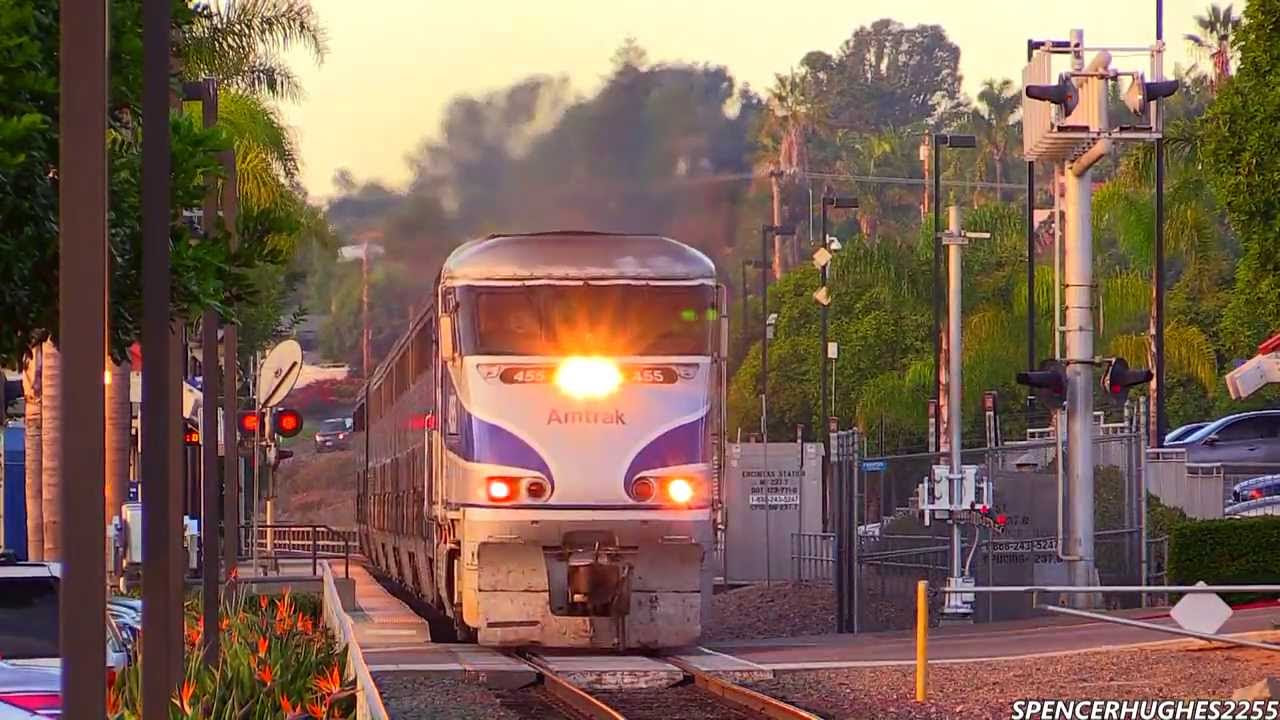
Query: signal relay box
934	494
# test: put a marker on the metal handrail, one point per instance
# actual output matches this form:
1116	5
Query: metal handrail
310	546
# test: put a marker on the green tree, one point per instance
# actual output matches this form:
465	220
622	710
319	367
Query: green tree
1242	160
993	121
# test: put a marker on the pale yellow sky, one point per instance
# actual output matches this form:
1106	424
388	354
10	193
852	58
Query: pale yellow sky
395	64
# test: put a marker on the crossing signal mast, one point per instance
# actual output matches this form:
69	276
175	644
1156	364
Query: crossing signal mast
1069	126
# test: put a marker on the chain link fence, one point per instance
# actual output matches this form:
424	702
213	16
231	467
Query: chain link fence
878	527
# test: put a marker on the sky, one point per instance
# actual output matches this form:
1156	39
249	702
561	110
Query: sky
394	65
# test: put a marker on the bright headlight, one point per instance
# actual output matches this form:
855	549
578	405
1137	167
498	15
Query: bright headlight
680	490
588	377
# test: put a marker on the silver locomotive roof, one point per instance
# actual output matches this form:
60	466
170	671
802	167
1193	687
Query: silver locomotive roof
576	255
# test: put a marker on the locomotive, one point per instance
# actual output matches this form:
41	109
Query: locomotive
541	449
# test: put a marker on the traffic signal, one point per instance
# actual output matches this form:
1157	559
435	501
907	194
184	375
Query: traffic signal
190	436
1141	93
1049	382
1120	377
287	422
1064	94
250	422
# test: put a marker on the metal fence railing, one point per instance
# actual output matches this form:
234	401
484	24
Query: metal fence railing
813	557
369	704
294	540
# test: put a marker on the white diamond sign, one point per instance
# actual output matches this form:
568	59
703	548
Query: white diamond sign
823	296
1201	612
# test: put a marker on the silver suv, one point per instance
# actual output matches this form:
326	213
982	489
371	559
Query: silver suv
1250	438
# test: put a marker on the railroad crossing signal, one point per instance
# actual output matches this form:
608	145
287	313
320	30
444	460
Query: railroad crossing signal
1064	94
1141	93
249	422
1049	382
1119	377
286	422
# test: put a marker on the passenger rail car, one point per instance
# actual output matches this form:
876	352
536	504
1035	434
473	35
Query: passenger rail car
542	446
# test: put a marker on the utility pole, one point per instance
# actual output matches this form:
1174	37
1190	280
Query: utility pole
775	184
961	481
939	141
364	307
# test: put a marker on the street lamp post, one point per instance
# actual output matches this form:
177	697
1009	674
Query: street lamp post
766	232
767	322
839	203
745	338
940	140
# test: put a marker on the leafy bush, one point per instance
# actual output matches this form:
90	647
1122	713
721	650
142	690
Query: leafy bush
276	660
1229	551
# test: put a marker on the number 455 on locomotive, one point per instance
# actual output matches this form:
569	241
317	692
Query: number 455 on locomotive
543	444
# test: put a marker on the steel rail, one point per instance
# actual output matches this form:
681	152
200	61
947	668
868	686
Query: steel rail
741	697
578	700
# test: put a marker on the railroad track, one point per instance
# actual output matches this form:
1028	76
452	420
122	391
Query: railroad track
699	696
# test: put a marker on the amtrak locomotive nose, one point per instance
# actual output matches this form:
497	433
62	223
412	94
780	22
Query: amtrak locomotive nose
567	495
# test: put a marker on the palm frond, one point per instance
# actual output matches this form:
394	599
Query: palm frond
1124	298
253	123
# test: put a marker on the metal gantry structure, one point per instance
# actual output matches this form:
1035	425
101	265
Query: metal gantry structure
1069	126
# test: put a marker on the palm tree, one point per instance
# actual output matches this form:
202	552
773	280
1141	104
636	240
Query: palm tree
993	122
1217	26
1122	208
891	152
118	433
797	110
239	42
32	396
50	450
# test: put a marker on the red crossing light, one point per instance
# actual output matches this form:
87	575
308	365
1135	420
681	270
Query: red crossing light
250	422
288	423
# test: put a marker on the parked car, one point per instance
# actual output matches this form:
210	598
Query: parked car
28	692
29	617
1183	432
1255	496
1249	438
334	434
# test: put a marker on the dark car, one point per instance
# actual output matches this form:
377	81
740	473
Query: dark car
334	434
1183	432
1250	438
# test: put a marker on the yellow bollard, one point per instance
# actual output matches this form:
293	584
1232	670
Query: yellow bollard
922	639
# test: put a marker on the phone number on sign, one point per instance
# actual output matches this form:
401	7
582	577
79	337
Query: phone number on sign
1146	710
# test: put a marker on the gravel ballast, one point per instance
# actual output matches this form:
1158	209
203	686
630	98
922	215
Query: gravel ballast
415	696
783	609
988	689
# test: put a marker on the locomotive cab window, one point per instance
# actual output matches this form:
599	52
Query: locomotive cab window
616	320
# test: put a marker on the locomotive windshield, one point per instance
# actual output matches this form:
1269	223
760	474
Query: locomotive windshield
615	320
